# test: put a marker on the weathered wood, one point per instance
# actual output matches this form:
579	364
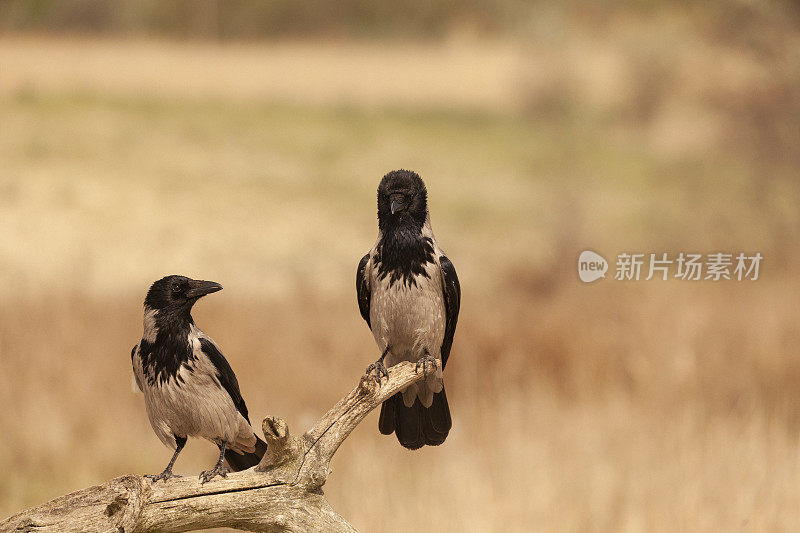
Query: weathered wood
282	493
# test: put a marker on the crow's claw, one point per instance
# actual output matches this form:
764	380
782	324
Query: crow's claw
378	367
164	476
208	475
380	370
426	360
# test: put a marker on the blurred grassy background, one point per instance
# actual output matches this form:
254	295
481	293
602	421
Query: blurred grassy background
243	142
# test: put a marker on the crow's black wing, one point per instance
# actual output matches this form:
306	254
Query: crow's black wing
362	289
451	290
225	375
135	376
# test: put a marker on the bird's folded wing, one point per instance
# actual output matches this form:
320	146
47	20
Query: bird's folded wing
451	290
225	375
362	289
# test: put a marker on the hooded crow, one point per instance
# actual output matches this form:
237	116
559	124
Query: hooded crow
189	387
409	295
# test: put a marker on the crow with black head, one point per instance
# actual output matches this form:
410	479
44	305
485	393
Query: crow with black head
409	295
189	387
403	250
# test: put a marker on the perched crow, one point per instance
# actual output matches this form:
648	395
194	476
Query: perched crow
409	295
189	388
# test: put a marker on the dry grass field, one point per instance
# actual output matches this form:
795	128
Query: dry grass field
615	406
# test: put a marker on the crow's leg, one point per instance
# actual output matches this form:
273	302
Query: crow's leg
378	367
180	442
218	470
423	362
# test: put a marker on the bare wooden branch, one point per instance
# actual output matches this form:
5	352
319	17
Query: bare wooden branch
282	493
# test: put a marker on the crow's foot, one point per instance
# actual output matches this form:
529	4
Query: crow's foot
165	475
379	368
208	475
424	362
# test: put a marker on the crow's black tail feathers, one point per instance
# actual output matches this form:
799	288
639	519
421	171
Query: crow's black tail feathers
243	461
416	426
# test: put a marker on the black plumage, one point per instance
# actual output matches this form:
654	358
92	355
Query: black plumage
362	289
451	289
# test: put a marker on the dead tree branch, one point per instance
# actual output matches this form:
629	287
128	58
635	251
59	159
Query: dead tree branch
282	493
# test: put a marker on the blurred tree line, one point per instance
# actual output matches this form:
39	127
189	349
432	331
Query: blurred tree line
254	19
414	19
259	19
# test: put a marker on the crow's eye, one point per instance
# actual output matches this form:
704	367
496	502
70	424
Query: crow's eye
176	288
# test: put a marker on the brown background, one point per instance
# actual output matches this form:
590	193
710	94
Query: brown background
242	142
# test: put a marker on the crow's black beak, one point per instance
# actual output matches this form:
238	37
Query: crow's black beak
396	204
199	288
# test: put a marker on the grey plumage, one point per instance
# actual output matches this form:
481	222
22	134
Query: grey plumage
194	403
410	318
